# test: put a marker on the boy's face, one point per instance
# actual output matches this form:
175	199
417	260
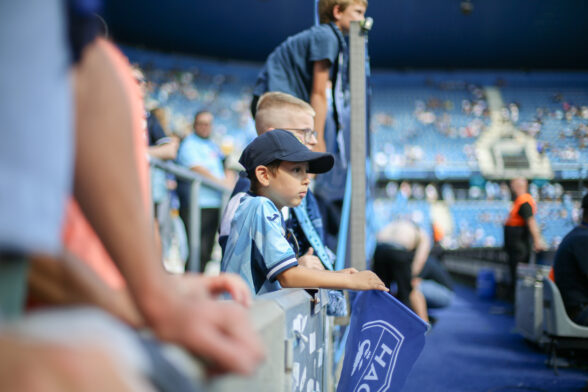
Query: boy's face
289	185
353	12
297	122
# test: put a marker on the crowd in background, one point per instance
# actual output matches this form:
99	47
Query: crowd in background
221	332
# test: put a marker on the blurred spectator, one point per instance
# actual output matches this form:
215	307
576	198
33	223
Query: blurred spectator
392	189
570	269
110	189
199	153
418	191
164	147
168	304
36	169
447	193
402	251
520	229
405	190
431	193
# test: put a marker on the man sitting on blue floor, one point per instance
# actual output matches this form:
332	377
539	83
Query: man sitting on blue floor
570	269
402	251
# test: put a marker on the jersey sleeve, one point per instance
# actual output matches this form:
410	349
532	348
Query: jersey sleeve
276	253
324	45
525	211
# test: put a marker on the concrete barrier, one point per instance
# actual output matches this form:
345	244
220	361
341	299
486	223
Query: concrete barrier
297	335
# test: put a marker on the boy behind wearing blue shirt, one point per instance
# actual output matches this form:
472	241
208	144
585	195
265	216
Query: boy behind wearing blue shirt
278	165
303	64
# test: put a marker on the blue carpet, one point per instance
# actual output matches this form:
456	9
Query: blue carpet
474	347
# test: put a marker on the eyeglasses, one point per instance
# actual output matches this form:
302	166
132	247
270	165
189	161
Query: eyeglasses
309	133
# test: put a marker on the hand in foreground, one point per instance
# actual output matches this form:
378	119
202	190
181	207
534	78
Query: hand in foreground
367	280
216	285
219	332
309	260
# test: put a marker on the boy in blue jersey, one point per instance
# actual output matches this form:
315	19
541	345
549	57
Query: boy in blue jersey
278	164
277	110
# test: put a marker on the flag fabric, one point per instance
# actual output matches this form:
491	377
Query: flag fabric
385	339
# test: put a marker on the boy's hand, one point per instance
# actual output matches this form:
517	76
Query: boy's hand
309	260
367	280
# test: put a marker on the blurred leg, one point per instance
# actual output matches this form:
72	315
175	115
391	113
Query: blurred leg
418	304
436	295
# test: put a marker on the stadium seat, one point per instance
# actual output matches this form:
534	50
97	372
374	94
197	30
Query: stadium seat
562	332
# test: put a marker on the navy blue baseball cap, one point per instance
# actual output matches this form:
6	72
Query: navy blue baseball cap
282	145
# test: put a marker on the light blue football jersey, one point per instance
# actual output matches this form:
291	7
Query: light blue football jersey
257	248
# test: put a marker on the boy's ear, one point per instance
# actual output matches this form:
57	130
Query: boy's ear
263	175
337	12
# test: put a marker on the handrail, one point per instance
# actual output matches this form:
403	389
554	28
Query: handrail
186	174
196	180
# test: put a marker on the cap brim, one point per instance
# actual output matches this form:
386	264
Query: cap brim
318	162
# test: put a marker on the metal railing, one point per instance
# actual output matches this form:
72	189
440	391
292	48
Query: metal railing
196	180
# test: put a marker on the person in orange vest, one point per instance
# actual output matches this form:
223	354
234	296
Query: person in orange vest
521	230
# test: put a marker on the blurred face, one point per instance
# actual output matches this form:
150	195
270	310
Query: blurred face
354	12
203	125
289	185
519	186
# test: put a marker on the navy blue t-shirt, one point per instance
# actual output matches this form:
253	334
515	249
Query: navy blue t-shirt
570	268
289	68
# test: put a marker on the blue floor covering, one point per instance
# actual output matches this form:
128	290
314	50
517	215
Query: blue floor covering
474	347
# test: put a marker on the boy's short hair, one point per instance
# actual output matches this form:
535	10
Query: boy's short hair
325	8
273	169
271	107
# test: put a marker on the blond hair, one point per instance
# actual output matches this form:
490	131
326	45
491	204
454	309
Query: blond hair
275	108
325	8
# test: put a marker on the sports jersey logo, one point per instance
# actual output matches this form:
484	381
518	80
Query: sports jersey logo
375	359
273	217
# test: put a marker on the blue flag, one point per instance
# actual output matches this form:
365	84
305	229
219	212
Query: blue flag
385	339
